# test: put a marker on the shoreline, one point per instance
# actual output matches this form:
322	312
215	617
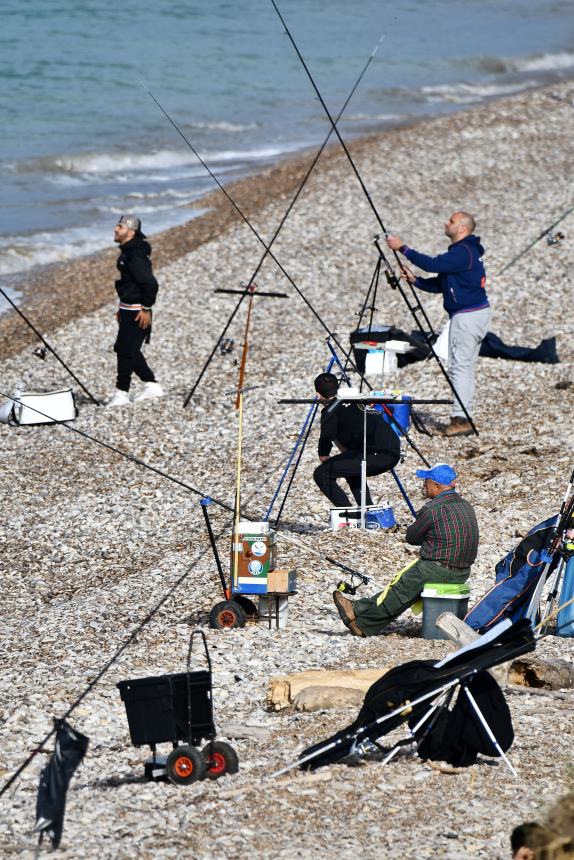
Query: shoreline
94	541
49	293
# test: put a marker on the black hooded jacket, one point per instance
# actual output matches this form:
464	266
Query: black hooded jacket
342	423
137	283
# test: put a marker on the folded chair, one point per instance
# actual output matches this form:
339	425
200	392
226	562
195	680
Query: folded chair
453	709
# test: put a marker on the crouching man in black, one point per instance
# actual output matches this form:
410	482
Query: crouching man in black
342	426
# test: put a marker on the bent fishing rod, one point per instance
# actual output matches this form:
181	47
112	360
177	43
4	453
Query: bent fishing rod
390	274
255	232
284	218
129	457
48	346
535	241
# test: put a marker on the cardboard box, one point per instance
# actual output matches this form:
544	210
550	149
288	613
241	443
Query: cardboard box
282	580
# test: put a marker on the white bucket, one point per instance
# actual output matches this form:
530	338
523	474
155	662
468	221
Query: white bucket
267	605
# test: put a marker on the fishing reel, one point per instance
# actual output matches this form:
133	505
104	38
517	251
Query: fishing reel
226	346
352	586
555	238
41	352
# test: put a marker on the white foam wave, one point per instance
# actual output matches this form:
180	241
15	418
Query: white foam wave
72	169
465	93
374	117
22	253
544	62
222	126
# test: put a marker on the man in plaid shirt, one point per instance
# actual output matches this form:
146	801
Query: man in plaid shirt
446	531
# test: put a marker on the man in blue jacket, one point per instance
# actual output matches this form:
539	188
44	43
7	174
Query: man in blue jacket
461	279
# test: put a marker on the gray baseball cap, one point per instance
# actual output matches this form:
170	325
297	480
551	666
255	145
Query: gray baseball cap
130	221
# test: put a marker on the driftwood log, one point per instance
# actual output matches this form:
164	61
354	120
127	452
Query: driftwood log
318	689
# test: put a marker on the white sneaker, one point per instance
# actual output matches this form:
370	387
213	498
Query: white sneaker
120	398
150	390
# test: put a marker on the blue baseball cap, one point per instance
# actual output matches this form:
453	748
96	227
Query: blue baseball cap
442	473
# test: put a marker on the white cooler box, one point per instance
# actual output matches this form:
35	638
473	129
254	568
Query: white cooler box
44	407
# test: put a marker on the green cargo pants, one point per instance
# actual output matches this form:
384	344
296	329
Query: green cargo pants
374	613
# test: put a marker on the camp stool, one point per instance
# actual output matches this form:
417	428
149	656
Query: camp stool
439	597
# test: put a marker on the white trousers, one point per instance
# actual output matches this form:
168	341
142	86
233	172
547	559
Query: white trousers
466	333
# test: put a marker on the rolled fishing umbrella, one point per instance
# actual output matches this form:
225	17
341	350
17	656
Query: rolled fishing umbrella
69	750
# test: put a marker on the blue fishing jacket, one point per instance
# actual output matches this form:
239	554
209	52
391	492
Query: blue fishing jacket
461	276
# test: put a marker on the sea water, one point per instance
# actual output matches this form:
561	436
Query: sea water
82	141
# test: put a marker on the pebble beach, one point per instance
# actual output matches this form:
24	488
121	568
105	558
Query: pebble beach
92	543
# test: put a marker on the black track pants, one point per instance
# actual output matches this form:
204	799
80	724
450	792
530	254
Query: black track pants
128	346
348	465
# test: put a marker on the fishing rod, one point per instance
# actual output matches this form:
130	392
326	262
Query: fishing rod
336	130
129	457
535	241
255	232
49	347
390	274
285	216
113	659
331	334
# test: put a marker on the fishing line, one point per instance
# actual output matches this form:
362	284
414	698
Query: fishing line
285	216
534	241
115	657
393	280
252	228
129	457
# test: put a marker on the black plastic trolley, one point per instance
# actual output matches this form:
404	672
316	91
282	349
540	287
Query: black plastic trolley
174	708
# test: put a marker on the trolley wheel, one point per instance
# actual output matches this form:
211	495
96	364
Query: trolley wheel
185	765
222	760
227	614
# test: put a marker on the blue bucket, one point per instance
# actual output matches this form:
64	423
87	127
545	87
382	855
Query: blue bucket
401	414
380	518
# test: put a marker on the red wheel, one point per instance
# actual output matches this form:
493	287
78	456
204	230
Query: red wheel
220	759
227	615
185	765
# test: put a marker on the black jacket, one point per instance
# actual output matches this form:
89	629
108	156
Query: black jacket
137	283
343	422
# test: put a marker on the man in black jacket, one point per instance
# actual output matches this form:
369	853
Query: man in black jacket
342	425
137	291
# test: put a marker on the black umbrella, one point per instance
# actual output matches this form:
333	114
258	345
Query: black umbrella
69	750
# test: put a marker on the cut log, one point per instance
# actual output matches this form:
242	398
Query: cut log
319	698
283	689
534	672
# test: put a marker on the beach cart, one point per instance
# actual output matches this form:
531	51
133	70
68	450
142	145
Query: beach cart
178	709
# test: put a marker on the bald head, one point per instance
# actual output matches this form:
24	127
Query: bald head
459	226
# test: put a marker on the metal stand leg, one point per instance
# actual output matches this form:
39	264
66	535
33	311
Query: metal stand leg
488	730
364	469
403	493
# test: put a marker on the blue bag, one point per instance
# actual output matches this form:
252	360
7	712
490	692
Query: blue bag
565	619
517	575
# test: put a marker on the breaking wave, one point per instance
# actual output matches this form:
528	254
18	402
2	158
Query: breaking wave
467	93
112	164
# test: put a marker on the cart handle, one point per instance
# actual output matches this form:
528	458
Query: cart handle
202	634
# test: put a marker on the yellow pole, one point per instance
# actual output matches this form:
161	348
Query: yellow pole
237	493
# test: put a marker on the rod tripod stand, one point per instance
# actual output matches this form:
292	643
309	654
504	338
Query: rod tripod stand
304	435
417	312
